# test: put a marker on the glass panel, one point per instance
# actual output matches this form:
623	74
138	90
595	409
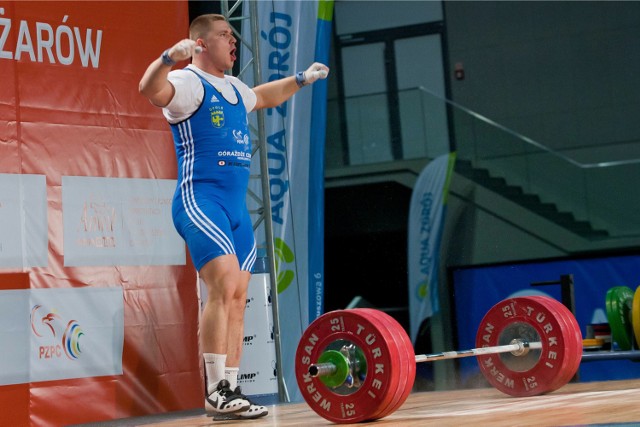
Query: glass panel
366	106
356	16
368	129
603	194
334	145
422	118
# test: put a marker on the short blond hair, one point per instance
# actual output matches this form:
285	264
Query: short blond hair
202	24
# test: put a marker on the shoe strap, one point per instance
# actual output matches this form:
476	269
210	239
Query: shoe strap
232	395
238	392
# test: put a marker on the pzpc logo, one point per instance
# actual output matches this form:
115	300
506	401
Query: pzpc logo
55	337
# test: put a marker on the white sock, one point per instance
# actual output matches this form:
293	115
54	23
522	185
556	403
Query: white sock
231	374
214	369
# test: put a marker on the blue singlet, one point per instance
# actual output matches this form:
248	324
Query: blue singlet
213	150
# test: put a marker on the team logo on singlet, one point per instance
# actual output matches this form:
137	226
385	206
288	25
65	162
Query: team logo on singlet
217	116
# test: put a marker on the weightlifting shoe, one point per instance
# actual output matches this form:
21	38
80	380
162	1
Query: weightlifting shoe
223	401
252	412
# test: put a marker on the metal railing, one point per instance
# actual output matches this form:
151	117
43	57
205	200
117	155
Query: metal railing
603	192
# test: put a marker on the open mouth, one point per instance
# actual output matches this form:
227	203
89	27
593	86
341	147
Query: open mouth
233	54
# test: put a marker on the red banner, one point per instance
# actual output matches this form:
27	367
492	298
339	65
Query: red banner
70	107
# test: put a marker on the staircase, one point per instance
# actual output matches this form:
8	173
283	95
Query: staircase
529	201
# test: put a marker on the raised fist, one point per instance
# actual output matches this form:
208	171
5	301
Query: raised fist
182	50
314	72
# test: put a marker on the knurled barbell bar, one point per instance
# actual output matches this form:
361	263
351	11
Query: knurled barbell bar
358	365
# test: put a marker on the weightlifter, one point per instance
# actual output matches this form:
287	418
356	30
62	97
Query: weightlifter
207	112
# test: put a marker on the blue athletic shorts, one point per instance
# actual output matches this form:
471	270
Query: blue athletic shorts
209	231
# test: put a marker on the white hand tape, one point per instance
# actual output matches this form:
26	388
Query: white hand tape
320	74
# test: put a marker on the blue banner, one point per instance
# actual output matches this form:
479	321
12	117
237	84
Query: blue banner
316	165
293	35
426	217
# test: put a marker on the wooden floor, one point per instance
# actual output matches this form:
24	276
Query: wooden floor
594	403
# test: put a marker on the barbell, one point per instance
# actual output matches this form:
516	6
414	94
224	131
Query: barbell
358	364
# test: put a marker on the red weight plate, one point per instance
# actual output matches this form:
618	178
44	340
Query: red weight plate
381	354
407	362
573	336
571	351
399	360
573	341
410	374
411	371
536	372
385	325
